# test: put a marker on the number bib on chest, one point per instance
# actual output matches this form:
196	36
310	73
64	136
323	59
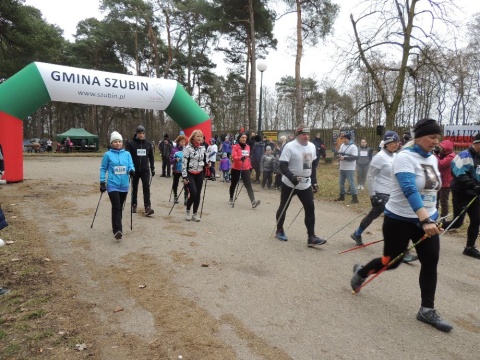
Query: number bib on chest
244	152
119	170
429	198
141	152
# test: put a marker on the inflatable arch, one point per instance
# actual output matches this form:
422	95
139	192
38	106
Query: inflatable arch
38	83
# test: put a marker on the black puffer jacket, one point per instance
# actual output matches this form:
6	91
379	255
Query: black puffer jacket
142	154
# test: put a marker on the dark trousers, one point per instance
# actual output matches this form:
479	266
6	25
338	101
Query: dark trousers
306	198
278	180
117	199
247	182
459	201
256	167
145	176
443	197
375	212
362	174
397	233
212	168
267	179
194	188
165	165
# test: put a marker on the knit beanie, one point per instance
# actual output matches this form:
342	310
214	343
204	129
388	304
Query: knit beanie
476	139
115	136
347	136
426	127
140	129
390	136
268	148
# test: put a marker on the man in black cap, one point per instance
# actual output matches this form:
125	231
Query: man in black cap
165	148
465	186
143	160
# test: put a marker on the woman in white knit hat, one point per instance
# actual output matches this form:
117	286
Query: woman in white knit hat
118	165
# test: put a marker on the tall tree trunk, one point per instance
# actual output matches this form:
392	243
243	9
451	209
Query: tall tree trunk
298	60
253	69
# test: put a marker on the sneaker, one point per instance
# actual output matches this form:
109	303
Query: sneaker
359	187
4	291
188	217
230	201
134	209
432	317
175	199
362	187
255	203
356	281
280	235
357	239
315	240
118	235
163	175
262	188
195	217
409	257
148	211
471	251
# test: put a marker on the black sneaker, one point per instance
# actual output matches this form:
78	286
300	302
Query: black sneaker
357	239
315	240
175	199
432	317
356	281
134	209
118	235
471	251
148	211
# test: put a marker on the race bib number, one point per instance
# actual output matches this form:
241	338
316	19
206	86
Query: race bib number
429	198
119	170
245	153
363	153
141	152
304	180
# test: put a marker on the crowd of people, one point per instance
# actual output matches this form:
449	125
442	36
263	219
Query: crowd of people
409	181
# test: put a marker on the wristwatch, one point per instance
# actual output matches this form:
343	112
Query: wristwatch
427	221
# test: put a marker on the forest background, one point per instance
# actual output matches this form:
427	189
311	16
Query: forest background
396	62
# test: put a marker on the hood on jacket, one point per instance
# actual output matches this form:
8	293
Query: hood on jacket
447	146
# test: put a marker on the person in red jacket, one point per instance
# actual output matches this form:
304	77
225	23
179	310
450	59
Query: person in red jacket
445	155
241	167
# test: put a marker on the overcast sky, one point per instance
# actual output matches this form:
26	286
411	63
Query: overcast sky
317	62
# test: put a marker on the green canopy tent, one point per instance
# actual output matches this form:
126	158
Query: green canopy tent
76	135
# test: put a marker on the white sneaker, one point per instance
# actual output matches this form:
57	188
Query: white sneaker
188	217
359	187
195	217
363	188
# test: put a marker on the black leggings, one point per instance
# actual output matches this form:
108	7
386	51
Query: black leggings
306	198
194	187
459	202
117	199
235	178
145	176
397	233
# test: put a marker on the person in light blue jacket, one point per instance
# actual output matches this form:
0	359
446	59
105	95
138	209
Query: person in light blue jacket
115	169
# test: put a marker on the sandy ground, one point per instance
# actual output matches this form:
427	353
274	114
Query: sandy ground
224	288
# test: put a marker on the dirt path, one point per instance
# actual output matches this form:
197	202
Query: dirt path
223	289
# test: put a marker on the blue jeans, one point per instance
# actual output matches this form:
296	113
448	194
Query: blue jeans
347	175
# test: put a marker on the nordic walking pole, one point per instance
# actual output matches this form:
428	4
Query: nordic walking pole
203	198
295	218
360	246
238	183
283	210
174	201
461	213
238	192
95	215
355	218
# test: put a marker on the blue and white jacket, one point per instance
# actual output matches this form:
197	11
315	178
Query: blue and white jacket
117	164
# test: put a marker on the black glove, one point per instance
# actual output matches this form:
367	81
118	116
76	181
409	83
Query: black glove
243	158
375	200
103	187
315	188
153	172
131	173
476	190
294	181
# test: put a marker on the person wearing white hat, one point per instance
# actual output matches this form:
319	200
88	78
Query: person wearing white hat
115	169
